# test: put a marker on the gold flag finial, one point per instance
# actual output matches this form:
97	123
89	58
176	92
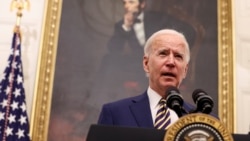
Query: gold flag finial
19	5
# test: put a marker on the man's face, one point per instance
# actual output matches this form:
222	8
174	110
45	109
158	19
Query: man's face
167	62
133	6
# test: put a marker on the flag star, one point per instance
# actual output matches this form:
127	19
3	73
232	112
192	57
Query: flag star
22	120
17	92
11	118
20	133
23	107
4	103
19	79
18	66
1	116
8	131
17	53
14	105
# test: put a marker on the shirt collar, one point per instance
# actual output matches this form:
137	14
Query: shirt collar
140	16
154	98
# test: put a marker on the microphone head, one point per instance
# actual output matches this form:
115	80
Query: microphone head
197	93
203	101
174	99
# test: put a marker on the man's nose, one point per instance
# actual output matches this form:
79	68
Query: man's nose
170	60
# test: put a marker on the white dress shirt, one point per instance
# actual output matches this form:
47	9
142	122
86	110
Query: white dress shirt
139	29
154	99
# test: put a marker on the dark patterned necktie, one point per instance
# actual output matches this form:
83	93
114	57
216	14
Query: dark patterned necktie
162	120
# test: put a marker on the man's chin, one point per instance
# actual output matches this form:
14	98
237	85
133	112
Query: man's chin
170	84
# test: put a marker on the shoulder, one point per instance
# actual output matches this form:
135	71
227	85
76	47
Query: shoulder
126	102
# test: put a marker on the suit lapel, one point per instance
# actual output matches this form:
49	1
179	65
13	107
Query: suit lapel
140	109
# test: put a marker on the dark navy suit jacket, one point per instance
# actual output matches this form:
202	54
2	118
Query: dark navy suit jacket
132	112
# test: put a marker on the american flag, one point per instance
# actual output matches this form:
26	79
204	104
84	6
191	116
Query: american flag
14	125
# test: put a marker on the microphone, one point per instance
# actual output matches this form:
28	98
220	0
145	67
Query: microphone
204	103
175	101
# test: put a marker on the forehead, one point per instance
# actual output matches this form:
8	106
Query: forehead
168	40
131	1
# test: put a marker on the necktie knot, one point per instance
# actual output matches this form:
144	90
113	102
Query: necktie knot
162	101
162	104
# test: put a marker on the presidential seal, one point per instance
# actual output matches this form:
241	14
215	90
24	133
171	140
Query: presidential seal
198	127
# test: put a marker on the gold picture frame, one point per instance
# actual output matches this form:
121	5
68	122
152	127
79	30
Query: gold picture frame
47	59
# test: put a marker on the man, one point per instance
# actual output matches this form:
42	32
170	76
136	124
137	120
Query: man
121	74
165	61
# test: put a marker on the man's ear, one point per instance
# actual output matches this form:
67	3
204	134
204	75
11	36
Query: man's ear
186	70
145	64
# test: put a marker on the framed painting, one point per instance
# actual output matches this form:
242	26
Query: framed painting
78	72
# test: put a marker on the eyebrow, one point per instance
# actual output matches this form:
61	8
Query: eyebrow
164	50
161	49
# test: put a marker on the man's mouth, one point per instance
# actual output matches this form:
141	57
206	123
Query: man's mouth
169	74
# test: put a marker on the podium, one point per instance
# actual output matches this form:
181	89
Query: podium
194	127
115	133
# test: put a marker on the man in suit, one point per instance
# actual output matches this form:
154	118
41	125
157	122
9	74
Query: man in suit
165	62
121	74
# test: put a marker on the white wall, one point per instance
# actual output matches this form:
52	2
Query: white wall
242	48
31	24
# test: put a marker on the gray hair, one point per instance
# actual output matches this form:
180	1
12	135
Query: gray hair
148	44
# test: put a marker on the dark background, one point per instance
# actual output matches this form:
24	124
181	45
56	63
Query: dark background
85	28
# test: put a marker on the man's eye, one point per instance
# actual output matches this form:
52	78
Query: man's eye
162	54
178	56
